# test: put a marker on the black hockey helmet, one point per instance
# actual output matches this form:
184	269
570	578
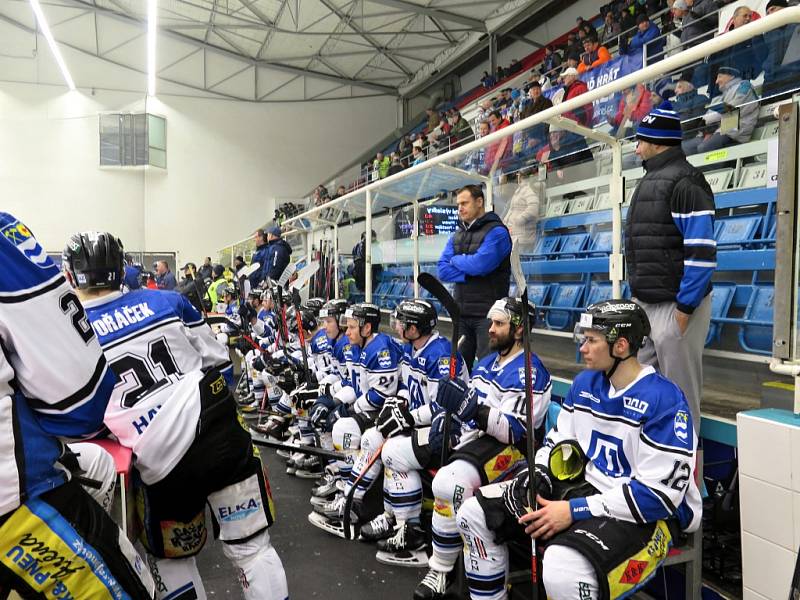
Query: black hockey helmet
228	290
334	308
314	305
254	295
616	319
94	260
307	317
510	309
364	313
417	312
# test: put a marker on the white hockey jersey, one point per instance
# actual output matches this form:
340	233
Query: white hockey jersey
375	376
640	445
421	370
54	379
159	347
502	389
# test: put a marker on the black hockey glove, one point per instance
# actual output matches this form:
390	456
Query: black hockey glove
515	496
394	417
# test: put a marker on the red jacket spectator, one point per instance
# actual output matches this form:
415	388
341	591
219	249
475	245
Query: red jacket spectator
636	101
575	87
498	150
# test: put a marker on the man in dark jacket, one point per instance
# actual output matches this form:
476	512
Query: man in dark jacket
260	257
689	105
782	63
477	259
205	270
278	254
671	254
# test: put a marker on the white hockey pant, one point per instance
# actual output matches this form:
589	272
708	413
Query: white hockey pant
452	486
402	484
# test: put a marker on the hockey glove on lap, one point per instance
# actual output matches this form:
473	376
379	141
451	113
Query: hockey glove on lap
394	417
436	435
455	396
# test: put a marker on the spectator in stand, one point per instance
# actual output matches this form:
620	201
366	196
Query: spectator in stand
670	254
165	280
238	264
594	54
522	212
611	29
782	65
563	149
552	60
496	152
484	108
500	74
460	131
537	135
433	119
340	191
477	259
585	26
575	87
487	80
259	256
573	60
634	106
380	166
515	67
626	20
737	94
698	20
747	56
648	39
574	47
418	155
689	105
397	164
404	147
205	269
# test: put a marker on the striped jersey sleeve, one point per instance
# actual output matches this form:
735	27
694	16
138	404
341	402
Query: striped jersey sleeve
693	214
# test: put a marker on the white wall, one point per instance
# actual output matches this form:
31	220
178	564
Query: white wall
226	162
555	27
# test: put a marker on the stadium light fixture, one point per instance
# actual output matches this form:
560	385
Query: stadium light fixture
45	29
152	17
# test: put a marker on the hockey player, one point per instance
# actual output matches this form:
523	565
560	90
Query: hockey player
615	477
404	423
375	378
48	391
491	414
334	325
172	406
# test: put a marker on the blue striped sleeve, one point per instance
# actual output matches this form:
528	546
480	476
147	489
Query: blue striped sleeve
693	215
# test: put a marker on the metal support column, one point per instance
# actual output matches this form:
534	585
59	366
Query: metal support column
335	261
488	202
616	188
368	250
492	54
415	237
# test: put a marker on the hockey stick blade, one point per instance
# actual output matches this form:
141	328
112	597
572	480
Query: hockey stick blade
304	275
438	291
248	270
260	440
287	272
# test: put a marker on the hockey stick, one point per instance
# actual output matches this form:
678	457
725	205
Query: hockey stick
519	277
301	334
304	275
260	440
438	291
348	502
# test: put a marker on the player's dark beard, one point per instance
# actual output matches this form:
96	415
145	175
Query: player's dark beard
501	343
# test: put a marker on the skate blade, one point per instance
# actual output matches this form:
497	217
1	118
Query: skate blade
283	453
308	474
415	559
321	500
333	527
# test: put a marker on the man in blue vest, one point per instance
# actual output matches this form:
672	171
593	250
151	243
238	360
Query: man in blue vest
477	259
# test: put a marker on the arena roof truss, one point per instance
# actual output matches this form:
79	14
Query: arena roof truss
254	50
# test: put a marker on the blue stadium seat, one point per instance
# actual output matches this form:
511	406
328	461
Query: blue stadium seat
573	244
601	244
721	301
546	246
537	292
758	338
564	295
735	232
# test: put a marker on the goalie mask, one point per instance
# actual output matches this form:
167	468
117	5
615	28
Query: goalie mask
94	260
614	320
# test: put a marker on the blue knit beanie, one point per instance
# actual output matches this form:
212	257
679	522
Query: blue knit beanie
661	126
